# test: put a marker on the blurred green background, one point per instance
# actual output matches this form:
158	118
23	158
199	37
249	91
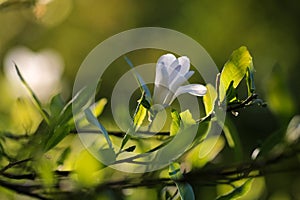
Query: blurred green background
270	30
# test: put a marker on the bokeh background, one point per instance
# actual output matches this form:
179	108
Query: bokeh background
65	31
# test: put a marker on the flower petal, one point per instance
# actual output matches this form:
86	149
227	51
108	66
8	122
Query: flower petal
173	66
188	75
161	84
161	75
185	64
166	60
193	89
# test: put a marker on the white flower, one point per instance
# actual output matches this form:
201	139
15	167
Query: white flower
171	73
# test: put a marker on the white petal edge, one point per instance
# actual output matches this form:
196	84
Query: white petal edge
184	61
166	59
193	89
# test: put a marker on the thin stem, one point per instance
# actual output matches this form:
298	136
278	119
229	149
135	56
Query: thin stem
12	164
243	104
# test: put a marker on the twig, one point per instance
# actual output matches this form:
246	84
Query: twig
12	164
119	133
243	104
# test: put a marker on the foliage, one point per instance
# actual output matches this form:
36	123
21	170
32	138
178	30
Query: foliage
33	168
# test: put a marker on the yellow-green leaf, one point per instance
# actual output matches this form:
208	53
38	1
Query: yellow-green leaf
187	118
209	99
234	70
175	124
238	191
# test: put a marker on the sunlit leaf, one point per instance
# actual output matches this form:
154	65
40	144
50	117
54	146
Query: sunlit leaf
187	118
63	156
206	151
237	192
174	171
99	107
33	95
209	99
234	70
175	124
85	167
140	114
231	94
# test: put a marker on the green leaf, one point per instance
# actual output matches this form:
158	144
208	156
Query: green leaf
234	70
96	108
94	121
175	124
44	168
174	171
209	99
59	133
206	151
126	138
228	136
140	80
187	118
232	137
99	107
86	166
139	117
250	80
140	113
231	94
56	105
185	189
33	95
237	192
78	103
63	156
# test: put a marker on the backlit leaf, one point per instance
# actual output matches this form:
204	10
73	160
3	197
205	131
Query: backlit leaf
234	70
209	99
175	124
237	192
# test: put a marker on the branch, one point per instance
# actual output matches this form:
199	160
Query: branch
12	164
201	177
119	134
243	104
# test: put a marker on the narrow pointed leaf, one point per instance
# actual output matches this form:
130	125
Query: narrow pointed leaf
33	95
209	99
175	124
140	80
94	121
